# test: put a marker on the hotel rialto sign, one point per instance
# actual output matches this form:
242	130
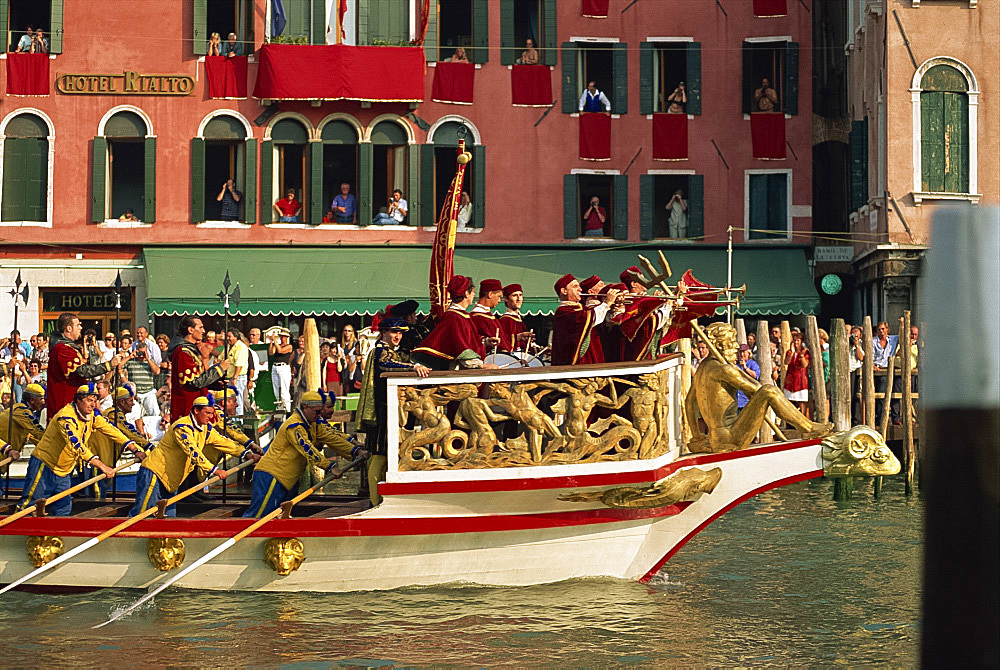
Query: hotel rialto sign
126	83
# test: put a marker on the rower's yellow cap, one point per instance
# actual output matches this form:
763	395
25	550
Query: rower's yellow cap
35	389
203	401
311	398
124	392
87	389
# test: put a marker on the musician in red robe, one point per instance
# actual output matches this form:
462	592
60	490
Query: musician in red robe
632	278
573	337
642	324
513	335
454	339
189	378
490	291
68	369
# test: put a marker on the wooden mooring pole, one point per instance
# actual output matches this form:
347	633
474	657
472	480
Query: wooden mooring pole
868	385
906	404
840	390
821	412
765	361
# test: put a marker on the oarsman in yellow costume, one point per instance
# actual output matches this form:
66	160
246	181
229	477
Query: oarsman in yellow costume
241	445
325	435
179	451
276	477
24	426
104	447
64	441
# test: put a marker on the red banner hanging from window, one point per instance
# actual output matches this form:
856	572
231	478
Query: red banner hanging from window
764	8
340	72
767	133
227	77
595	136
453	83
530	86
27	74
595	9
670	137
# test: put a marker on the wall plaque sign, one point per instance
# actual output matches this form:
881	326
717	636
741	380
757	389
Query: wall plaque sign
126	83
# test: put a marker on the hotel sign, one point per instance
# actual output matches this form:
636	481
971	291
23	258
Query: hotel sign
126	83
93	300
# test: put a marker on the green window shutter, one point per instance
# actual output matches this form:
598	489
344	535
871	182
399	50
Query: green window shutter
55	27
932	141
99	174
571	207
365	160
197	180
693	82
315	207
647	52
364	34
620	207
696	206
791	78
480	52
508	51
549	56
266	181
319	30
956	124
431	37
619	60
25	179
428	217
646	206
250	180
14	163
199	25
4	26
859	164
478	186
570	87
149	188
413	185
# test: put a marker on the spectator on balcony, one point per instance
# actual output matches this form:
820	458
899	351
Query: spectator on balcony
231	47
288	208
592	99
129	215
230	198
328	217
395	213
459	56
594	219
530	55
215	45
765	97
678	99
345	207
24	44
677	217
39	45
464	210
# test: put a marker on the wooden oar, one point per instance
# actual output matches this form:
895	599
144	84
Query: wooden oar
285	507
76	551
51	499
5	461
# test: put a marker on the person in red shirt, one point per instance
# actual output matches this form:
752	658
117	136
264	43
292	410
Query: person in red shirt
288	208
190	377
454	340
490	291
797	378
68	367
594	219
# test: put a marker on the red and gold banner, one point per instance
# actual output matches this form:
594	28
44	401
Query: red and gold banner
443	250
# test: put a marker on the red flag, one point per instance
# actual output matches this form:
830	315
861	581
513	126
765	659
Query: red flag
443	250
698	301
341	10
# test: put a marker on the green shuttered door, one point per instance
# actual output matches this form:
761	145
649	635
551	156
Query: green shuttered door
478	187
549	29
619	60
480	32
365	155
99	172
693	84
56	27
696	206
250	181
570	86
647	51
197	180
571	208
620	212
315	207
646	206
791	78
199	22
428	217
507	53
25	182
266	181
149	187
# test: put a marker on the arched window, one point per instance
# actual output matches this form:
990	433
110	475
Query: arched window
338	165
385	165
223	151
945	104
437	166
285	167
124	167
25	169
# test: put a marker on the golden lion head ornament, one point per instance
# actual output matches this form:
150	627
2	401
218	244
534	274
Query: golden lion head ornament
42	549
165	553
284	554
858	451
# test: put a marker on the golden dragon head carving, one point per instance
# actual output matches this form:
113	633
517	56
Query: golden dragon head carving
858	451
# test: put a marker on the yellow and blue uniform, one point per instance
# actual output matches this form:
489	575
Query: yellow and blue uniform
276	476
64	442
177	454
107	451
23	427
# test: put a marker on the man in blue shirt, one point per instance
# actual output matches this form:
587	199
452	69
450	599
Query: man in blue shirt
345	208
750	366
883	348
592	99
230	199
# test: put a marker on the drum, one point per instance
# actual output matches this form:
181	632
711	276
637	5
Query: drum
527	360
503	360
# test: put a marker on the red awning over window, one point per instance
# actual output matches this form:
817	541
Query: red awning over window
27	74
227	77
340	72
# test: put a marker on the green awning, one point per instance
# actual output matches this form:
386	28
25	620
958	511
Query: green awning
363	280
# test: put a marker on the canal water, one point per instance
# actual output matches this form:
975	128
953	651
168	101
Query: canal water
787	578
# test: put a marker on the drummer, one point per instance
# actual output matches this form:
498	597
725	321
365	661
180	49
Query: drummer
513	335
454	340
490	292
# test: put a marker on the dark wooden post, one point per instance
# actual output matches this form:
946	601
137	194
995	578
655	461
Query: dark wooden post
890	382
784	344
821	412
840	390
906	404
961	406
765	362
868	384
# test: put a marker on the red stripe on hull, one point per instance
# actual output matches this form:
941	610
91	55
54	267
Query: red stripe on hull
767	487
579	481
337	527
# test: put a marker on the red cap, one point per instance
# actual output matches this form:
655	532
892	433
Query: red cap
563	282
590	282
616	287
510	289
458	286
630	274
488	285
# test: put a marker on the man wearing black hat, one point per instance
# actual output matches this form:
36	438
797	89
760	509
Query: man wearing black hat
416	330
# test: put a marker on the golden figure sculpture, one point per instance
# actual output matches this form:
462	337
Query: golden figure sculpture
474	416
42	549
858	451
649	413
166	553
514	399
284	554
683	485
713	391
422	403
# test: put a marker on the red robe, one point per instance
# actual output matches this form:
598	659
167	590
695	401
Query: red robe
510	325
640	324
573	337
453	334
67	372
486	324
189	379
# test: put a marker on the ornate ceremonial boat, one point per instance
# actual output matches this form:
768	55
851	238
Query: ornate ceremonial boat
498	477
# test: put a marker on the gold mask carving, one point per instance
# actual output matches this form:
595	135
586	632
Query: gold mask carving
42	549
284	554
165	553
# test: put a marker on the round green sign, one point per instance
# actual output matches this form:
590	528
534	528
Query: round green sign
831	284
